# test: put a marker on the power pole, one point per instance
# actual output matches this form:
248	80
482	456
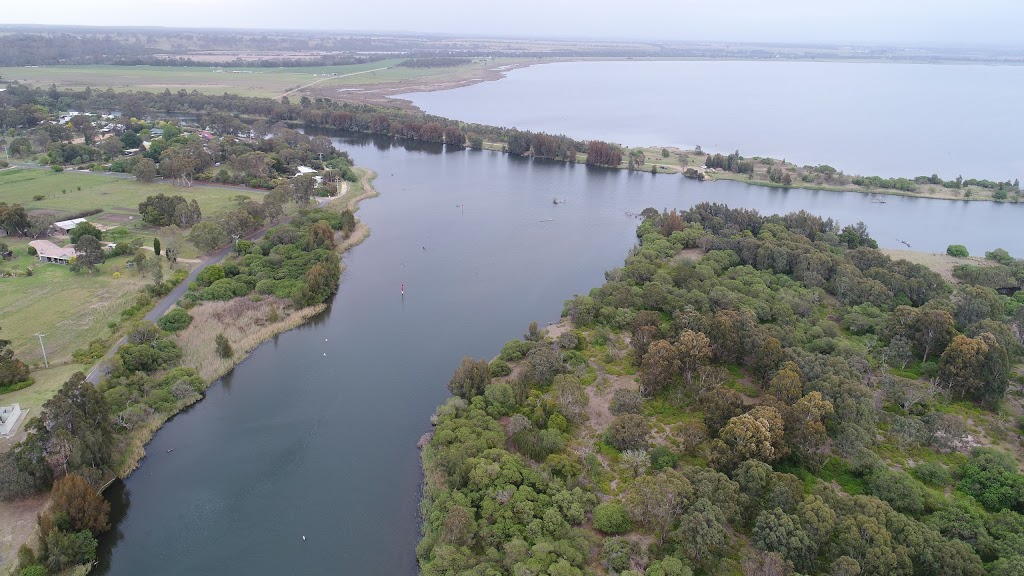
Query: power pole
45	361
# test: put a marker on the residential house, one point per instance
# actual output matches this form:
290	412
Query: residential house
47	251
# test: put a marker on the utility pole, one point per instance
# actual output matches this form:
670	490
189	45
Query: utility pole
45	361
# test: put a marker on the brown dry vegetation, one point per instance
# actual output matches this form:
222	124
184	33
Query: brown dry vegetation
245	322
942	264
17	526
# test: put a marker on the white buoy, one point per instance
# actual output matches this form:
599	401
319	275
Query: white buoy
303	537
325	353
325	339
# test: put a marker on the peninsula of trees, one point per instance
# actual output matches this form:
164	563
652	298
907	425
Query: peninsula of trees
26	110
745	395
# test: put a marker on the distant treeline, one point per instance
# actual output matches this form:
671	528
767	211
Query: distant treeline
435	62
324	60
20	107
48	49
24	107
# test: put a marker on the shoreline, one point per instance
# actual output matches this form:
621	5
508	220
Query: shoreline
389	93
135	450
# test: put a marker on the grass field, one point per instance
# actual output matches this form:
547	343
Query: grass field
119	198
71	309
254	81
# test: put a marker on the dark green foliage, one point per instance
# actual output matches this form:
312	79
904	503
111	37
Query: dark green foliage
611	518
71	434
807	318
499	368
628	432
899	489
992	477
150	356
156	246
483	497
67	549
12	370
470	379
515	350
663	457
83	228
161	210
932	473
957	251
175	320
223	346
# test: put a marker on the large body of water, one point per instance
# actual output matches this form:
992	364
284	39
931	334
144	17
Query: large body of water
885	119
293	443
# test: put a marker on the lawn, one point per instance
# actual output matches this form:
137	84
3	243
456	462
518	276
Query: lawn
70	309
69	192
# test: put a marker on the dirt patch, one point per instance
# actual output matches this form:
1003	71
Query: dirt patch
553	331
18	527
601	393
692	254
940	263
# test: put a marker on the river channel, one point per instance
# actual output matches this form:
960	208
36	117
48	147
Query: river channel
296	444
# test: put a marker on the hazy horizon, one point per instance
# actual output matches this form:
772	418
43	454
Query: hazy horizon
987	23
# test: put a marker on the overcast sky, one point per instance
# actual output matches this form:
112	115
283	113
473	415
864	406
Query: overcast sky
982	22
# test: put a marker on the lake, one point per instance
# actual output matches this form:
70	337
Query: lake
293	443
882	119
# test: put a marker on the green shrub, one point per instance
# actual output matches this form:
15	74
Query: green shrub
499	367
224	347
991	477
611	518
663	457
17	386
932	473
515	350
210	274
175	320
957	251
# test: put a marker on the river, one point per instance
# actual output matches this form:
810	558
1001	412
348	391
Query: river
293	443
885	119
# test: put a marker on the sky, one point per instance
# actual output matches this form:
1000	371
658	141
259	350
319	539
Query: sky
933	22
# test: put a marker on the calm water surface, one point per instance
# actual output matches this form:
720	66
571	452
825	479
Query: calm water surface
885	119
294	443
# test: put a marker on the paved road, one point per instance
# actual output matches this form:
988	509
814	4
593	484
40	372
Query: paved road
171	299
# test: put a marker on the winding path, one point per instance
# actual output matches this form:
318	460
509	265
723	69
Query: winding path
314	83
172	298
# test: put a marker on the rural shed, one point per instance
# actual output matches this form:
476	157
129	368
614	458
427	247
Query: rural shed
66	226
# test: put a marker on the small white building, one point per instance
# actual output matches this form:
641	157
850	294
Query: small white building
8	418
66	226
47	251
303	170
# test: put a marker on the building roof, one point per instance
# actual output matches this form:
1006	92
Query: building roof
48	249
304	170
69	224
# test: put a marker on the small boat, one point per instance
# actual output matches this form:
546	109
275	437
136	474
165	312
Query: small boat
169	450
